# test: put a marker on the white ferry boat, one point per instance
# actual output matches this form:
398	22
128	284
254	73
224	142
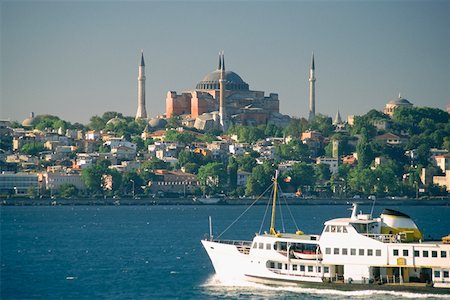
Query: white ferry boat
359	252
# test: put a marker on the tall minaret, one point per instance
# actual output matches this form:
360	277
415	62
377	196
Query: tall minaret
141	111
312	92
222	108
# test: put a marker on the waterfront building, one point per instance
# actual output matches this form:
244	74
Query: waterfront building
141	111
53	181
18	183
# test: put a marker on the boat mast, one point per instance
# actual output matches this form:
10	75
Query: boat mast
274	202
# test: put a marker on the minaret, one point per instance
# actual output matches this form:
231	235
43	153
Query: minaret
312	92
141	111
222	108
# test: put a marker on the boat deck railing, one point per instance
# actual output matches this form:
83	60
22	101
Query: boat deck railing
242	246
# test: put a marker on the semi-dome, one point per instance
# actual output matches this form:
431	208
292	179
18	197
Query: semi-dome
157	123
233	82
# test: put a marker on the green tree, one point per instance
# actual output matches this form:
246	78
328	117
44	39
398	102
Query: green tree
301	176
295	127
323	172
294	150
154	164
67	190
212	177
32	148
96	123
364	150
260	180
130	180
232	169
246	163
323	124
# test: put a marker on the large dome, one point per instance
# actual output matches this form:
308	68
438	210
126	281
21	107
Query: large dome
233	82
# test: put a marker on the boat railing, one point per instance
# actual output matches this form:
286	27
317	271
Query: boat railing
234	242
241	246
385	238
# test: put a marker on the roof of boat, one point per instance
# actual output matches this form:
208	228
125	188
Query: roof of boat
308	237
346	221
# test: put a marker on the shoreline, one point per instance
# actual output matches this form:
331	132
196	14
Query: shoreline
228	201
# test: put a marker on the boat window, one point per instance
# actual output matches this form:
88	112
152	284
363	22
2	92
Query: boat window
272	265
326	269
433	253
416	253
352	251
445	274
369	252
255	245
425	253
310	268
395	252
344	229
443	253
336	251
302	268
361	252
339	228
268	247
319	269
344	251
333	228
360	228
285	266
294	267
437	274
378	252
279	265
327	228
406	252
261	245
327	250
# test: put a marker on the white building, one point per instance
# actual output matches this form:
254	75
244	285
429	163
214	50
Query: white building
331	162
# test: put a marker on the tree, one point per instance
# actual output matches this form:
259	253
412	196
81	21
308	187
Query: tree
246	163
212	177
232	169
32	148
67	190
323	172
295	127
323	124
132	183
96	123
364	150
154	164
294	150
301	175
260	180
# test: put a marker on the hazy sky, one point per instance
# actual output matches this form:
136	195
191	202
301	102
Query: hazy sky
76	59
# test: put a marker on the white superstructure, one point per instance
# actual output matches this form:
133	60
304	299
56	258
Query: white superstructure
387	250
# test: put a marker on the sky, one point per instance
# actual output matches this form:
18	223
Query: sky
77	59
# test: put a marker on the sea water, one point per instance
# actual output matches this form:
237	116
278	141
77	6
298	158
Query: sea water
154	252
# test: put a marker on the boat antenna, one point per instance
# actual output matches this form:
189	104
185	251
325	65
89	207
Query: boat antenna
210	229
274	202
373	205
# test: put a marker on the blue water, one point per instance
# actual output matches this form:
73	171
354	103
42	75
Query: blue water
152	252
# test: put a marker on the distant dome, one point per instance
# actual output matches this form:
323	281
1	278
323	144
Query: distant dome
28	122
233	82
157	123
400	101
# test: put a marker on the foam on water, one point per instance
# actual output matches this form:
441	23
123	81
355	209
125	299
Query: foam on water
230	286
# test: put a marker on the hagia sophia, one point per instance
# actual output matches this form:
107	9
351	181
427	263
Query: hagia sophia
200	107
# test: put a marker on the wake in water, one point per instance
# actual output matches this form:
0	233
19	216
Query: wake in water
217	287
